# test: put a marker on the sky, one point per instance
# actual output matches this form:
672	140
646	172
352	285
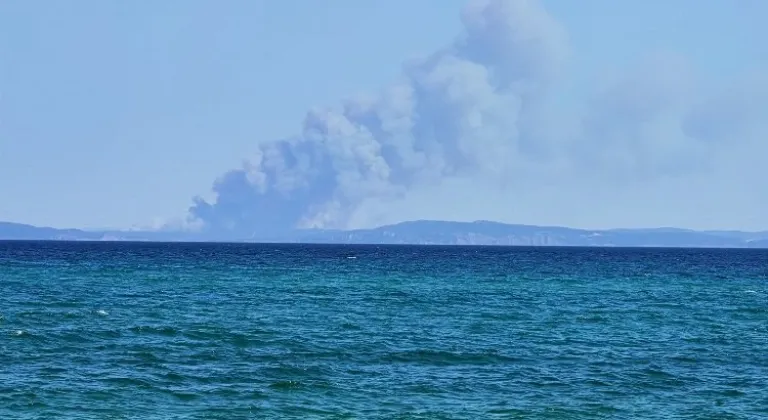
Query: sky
248	115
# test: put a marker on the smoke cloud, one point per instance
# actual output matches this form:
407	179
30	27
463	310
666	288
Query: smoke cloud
466	133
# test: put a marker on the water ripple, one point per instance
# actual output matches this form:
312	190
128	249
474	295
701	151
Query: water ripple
247	331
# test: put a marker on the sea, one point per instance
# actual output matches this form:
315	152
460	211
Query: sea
261	331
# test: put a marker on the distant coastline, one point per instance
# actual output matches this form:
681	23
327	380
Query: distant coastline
422	232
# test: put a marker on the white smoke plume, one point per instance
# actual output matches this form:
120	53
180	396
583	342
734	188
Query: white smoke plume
466	133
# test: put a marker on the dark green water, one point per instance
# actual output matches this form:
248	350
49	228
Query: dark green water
176	331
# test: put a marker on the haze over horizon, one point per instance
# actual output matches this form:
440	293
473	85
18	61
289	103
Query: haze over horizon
346	115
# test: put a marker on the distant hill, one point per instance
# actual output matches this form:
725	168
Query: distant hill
18	231
428	232
28	232
493	233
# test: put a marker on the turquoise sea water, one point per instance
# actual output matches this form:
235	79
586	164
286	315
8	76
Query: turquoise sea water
214	331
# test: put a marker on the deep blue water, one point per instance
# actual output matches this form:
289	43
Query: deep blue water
215	331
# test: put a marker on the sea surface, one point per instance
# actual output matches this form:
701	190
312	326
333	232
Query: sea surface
240	331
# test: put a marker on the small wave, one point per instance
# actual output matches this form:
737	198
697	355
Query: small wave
184	396
173	377
146	356
125	381
285	385
593	318
433	357
166	331
734	393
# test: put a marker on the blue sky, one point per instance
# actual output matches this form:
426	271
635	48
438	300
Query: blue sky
117	114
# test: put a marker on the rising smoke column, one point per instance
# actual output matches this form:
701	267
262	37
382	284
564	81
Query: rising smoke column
455	113
466	132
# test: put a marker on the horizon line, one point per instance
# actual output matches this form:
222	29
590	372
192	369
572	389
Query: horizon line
477	221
